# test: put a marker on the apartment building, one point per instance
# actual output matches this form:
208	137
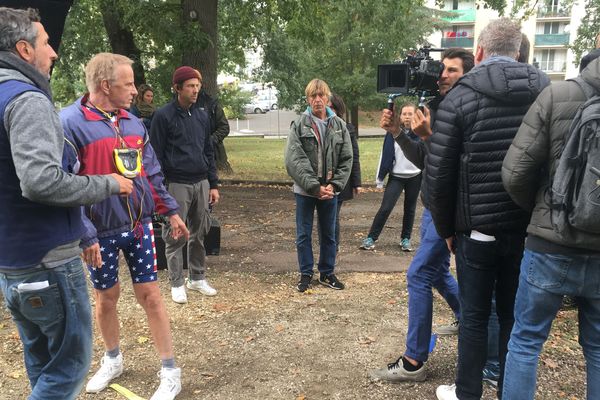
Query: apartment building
550	29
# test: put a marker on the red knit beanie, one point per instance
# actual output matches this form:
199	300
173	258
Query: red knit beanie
184	73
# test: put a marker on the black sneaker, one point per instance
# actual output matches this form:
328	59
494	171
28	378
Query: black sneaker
331	281
304	283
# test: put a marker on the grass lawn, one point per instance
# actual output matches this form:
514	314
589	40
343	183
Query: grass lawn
262	159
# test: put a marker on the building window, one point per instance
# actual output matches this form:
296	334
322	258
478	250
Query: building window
551	60
459	5
551	28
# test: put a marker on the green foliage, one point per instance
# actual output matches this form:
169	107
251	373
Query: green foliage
83	37
161	35
342	42
588	30
339	41
233	99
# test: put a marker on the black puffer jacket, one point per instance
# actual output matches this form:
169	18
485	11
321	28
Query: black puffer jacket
474	128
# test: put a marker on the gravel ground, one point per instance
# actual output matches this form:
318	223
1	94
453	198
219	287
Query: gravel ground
260	339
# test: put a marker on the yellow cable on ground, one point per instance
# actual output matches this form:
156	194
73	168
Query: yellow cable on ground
125	392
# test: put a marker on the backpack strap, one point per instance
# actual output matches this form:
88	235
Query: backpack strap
588	90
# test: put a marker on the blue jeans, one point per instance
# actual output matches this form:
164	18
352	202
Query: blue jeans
429	269
305	211
393	190
481	267
544	279
55	326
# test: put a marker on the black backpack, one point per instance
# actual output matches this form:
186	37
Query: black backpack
575	193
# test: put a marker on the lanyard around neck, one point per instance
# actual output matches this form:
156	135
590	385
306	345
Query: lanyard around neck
114	122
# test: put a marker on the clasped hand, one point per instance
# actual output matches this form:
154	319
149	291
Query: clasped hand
326	192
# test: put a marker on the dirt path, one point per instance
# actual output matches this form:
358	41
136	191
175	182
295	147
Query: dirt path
260	339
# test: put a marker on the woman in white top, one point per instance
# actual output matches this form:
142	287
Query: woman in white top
403	176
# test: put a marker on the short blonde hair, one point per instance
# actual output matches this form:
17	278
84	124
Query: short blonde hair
317	86
102	67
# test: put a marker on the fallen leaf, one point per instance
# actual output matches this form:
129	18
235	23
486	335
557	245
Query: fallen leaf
221	307
279	328
366	340
249	338
207	375
142	339
15	375
550	363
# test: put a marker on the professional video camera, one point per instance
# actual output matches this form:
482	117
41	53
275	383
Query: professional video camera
418	74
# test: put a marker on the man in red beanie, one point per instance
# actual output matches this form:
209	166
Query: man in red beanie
180	136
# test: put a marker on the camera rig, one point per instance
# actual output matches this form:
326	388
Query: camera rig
418	74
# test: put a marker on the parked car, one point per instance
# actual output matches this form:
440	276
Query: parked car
257	107
268	99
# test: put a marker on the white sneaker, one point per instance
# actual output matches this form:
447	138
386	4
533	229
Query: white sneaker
448	330
202	286
179	295
170	384
110	368
446	392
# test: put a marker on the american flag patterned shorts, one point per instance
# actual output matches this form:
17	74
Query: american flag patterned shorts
139	252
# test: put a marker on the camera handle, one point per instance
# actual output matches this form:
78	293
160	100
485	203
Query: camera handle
422	99
390	102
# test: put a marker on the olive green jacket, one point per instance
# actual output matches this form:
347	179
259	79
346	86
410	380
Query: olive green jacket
532	159
311	163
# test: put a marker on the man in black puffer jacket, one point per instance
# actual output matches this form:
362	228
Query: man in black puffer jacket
475	126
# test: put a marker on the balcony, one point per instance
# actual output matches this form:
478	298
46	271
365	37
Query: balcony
552	66
553	12
466	42
554	39
460	16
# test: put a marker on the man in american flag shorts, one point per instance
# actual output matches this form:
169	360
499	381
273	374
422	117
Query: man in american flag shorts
108	138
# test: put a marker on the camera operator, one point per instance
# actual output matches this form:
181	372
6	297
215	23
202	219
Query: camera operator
430	267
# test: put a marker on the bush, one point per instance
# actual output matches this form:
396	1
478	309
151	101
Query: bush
233	100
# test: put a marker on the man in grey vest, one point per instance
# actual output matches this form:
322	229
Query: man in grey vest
41	272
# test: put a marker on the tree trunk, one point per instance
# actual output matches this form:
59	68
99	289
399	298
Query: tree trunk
203	13
121	38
